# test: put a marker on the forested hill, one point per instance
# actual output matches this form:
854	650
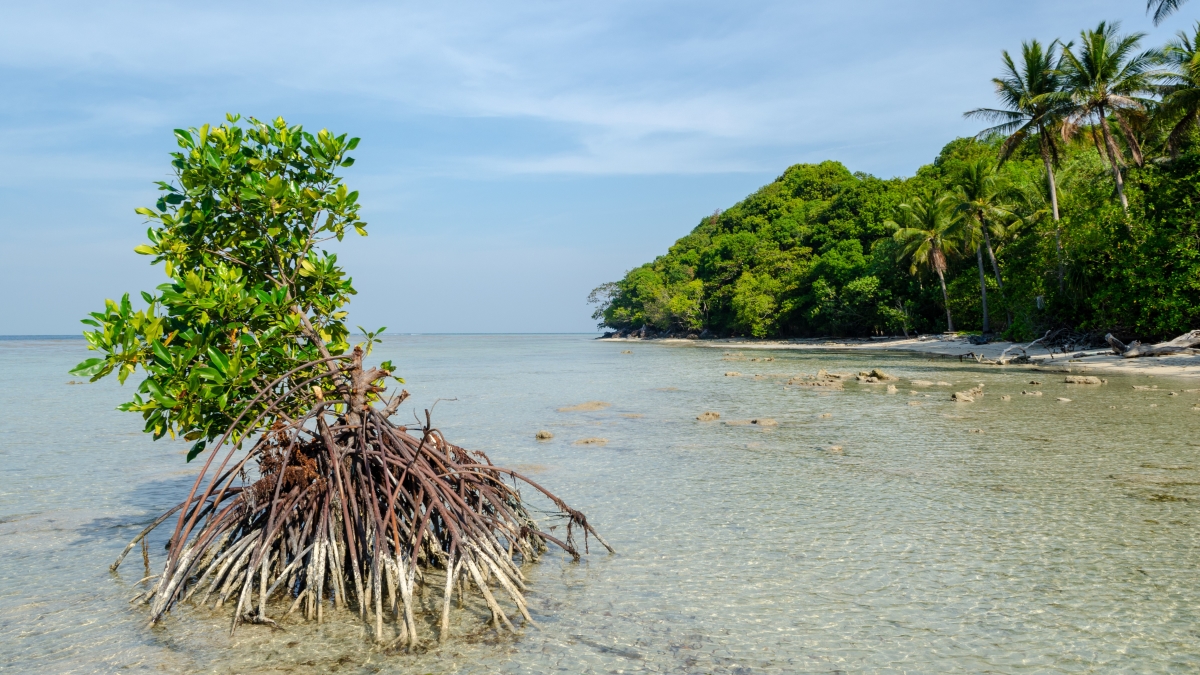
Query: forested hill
1081	211
816	253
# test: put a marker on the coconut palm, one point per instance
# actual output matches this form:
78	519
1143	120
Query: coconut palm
927	234
1181	88
1034	108
980	203
1106	76
1162	8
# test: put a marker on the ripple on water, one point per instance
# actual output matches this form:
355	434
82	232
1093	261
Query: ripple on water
1056	538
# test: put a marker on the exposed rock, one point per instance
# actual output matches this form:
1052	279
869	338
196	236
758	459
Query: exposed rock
709	416
969	395
706	334
543	435
627	351
882	376
733	373
943	384
891	389
592	441
974	431
804	382
1083	379
764	422
1034	382
1006	397
692	336
1062	399
825	415
590	406
1031	393
835	449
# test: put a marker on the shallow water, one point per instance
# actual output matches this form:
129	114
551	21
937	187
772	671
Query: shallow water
1028	535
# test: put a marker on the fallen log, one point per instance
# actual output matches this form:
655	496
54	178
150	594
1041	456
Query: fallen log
1184	344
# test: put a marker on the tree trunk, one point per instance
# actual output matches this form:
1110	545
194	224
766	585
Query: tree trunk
1135	148
987	239
946	300
987	324
1114	159
1053	206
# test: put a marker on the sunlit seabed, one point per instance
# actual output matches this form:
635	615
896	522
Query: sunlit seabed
1028	535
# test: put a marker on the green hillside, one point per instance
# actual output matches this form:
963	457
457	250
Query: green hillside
824	251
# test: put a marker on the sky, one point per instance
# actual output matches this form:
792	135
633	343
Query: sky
513	156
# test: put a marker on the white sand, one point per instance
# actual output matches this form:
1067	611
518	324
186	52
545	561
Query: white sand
1094	360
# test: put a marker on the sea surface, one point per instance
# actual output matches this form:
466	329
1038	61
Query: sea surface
863	534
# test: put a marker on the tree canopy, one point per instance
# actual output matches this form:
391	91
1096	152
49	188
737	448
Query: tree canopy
253	303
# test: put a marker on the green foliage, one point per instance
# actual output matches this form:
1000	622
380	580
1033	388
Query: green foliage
1081	198
253	302
813	253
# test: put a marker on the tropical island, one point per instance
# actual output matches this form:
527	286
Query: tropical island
1074	208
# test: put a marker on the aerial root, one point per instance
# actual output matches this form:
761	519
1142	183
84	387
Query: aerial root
350	510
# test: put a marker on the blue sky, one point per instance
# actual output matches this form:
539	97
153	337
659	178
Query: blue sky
514	156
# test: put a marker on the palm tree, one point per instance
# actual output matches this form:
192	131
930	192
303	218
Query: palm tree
1181	91
927	235
1034	107
1162	8
1106	76
979	202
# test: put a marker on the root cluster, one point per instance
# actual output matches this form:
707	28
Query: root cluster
349	511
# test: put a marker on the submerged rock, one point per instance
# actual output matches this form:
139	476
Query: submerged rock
760	422
543	435
590	406
1031	393
592	441
1083	379
1063	399
733	373
709	416
891	389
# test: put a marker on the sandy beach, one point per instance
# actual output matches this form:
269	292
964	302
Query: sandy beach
1087	361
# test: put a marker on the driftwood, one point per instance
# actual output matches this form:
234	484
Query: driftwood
348	508
1184	344
1024	357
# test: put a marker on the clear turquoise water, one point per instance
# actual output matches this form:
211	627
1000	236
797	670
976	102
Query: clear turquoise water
1057	537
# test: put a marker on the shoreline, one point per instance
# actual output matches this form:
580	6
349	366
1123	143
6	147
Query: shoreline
1087	361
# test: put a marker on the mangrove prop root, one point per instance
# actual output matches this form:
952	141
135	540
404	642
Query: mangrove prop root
347	510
